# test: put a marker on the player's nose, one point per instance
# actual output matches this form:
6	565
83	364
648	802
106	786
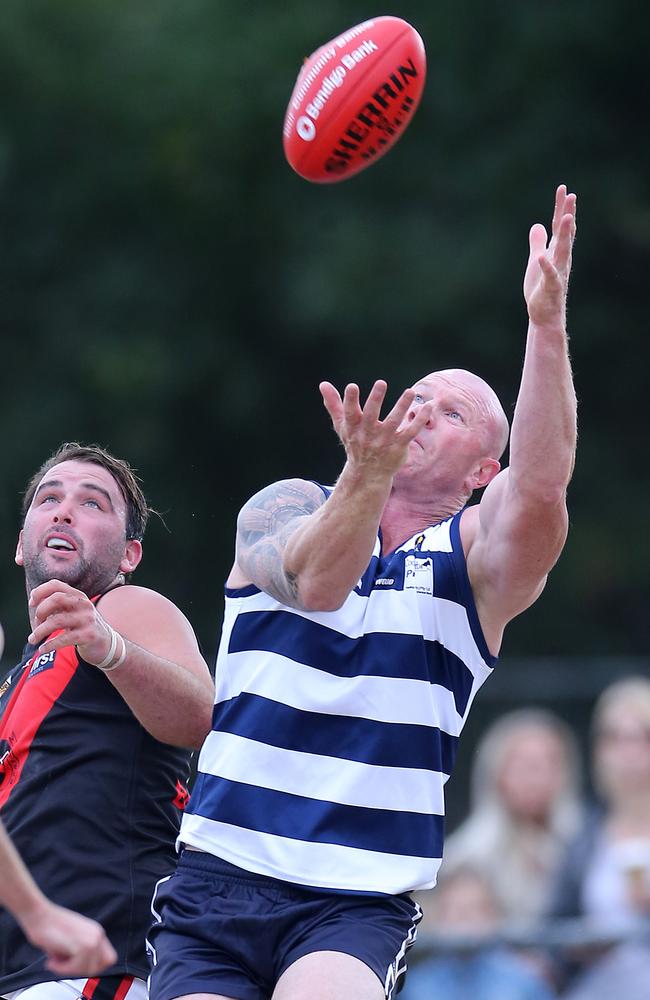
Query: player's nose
415	408
63	513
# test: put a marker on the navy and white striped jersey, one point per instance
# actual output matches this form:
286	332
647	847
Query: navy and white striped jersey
334	732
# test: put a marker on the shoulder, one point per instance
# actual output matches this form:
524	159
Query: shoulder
129	603
469	526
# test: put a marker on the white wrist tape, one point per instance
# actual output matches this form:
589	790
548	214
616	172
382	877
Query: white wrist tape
111	652
109	662
121	658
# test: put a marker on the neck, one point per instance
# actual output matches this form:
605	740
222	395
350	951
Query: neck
404	517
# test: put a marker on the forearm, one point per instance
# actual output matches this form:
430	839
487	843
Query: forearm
18	890
172	703
308	552
330	550
543	438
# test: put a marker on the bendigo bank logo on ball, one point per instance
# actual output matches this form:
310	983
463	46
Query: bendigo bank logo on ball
353	99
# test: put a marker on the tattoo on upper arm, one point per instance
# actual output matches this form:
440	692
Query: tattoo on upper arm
265	524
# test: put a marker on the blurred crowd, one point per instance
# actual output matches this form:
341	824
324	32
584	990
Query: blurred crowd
544	890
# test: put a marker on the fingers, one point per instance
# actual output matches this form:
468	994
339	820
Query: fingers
563	230
558	208
420	419
548	269
537	239
67	611
332	401
562	246
86	961
375	399
60	602
44	590
349	409
565	204
54	611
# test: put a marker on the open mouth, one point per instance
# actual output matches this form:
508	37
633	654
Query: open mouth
60	544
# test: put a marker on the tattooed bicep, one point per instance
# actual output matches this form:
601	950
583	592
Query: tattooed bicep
265	524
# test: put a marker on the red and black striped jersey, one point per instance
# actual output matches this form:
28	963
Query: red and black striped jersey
92	802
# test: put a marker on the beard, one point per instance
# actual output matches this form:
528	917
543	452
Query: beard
88	577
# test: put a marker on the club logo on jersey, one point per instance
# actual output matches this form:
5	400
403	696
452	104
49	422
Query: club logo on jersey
8	759
418	573
182	796
41	663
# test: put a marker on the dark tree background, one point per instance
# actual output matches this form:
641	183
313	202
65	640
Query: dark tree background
170	289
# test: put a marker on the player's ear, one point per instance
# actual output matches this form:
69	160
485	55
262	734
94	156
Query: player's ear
486	472
20	561
132	556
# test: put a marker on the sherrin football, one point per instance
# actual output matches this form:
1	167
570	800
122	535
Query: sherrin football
353	99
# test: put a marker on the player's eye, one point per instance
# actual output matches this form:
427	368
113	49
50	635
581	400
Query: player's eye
418	398
92	503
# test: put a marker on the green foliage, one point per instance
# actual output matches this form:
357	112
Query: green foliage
172	290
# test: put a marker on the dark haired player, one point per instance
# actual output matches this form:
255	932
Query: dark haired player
360	622
94	721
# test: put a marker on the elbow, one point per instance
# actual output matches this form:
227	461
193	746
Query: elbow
315	598
198	721
189	737
198	731
202	722
313	591
543	492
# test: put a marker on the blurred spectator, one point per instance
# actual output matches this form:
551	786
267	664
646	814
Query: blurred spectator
458	960
526	806
605	875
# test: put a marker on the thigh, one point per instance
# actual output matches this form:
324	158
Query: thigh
208	937
204	996
328	975
356	947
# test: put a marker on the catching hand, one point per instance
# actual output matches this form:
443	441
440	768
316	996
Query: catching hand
547	275
371	444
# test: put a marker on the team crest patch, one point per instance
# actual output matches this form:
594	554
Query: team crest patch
418	573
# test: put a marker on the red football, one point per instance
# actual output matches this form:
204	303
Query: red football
353	99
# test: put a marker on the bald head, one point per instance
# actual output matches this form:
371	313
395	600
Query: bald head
490	412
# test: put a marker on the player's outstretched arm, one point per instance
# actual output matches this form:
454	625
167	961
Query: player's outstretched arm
74	945
308	551
156	663
523	518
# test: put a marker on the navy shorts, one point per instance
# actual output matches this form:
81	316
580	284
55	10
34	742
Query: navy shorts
220	929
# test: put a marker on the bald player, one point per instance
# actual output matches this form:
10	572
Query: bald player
360	621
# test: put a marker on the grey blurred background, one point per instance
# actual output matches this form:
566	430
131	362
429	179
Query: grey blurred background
173	291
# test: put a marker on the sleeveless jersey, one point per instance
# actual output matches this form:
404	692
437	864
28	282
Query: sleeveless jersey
91	801
334	732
